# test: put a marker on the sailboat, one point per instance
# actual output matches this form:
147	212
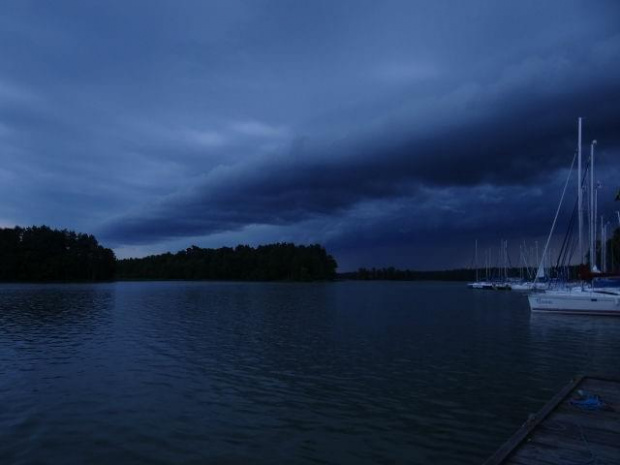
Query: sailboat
593	300
529	286
539	283
481	284
602	297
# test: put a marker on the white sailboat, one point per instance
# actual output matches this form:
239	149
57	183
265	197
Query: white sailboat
597	299
477	284
486	283
592	300
529	286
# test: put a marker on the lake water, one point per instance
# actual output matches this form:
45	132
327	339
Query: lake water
235	373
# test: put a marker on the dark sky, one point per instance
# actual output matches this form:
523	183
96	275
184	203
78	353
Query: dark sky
393	132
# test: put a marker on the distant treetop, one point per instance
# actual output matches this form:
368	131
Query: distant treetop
273	262
40	253
43	254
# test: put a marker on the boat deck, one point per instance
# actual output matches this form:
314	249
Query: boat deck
580	425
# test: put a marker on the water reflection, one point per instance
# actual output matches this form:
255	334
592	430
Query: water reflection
47	311
183	372
555	326
50	337
574	344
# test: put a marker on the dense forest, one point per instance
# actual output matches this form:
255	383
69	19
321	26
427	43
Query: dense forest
394	274
274	262
462	274
469	274
39	253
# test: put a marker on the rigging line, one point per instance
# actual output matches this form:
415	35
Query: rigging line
569	230
540	266
569	248
567	239
573	249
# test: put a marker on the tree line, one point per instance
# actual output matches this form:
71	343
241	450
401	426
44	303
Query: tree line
460	274
572	272
395	274
273	262
39	253
43	254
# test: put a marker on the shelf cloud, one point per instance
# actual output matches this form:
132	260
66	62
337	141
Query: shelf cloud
361	127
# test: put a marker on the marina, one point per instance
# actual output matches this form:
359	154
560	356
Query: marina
586	284
597	295
309	232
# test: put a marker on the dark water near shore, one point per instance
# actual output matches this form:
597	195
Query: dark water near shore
188	372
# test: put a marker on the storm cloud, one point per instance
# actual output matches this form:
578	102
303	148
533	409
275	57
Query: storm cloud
398	128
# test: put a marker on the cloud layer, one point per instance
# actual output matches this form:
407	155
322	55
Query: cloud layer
356	126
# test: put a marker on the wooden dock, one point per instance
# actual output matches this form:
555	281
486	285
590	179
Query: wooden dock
580	425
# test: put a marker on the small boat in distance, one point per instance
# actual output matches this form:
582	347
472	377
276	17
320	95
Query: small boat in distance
480	285
496	283
528	286
477	284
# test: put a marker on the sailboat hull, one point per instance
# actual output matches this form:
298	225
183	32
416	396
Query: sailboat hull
578	303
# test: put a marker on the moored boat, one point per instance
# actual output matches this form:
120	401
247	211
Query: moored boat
577	301
480	285
602	297
529	286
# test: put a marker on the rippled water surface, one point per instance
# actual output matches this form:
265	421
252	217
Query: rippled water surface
193	372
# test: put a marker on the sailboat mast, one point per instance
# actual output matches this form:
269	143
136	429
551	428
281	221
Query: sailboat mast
506	260
579	193
596	253
476	258
592	217
603	247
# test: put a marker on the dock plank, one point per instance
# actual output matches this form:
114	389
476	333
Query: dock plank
599	420
573	429
577	445
562	433
548	455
